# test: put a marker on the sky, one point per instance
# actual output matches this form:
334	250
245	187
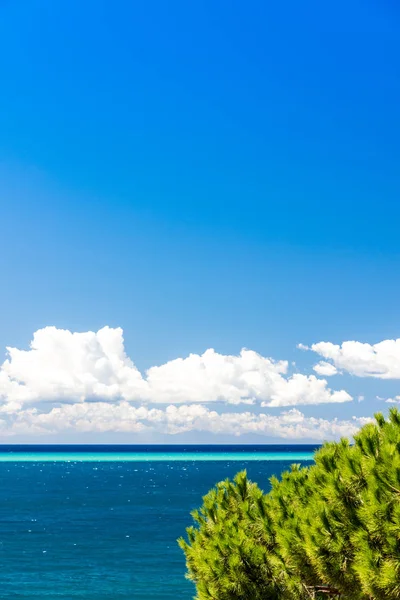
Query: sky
199	215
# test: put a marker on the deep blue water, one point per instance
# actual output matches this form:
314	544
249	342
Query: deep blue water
107	530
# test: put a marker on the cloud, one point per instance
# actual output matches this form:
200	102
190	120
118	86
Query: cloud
62	366
304	389
395	400
380	360
303	347
104	417
325	369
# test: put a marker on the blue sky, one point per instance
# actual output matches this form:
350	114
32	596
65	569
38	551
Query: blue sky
204	175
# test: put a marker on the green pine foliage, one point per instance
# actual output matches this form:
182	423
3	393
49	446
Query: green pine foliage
334	524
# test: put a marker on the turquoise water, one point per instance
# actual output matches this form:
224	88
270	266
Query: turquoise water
153	456
102	525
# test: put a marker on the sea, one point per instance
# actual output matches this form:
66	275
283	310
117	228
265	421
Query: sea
102	522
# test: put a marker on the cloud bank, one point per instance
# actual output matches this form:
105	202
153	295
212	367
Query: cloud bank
62	366
83	383
102	417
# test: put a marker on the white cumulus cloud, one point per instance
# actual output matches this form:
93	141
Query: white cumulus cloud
381	360
62	366
325	369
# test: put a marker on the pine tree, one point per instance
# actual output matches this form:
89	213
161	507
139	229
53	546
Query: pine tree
333	526
231	553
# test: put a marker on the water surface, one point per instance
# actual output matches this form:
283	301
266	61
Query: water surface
102	524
